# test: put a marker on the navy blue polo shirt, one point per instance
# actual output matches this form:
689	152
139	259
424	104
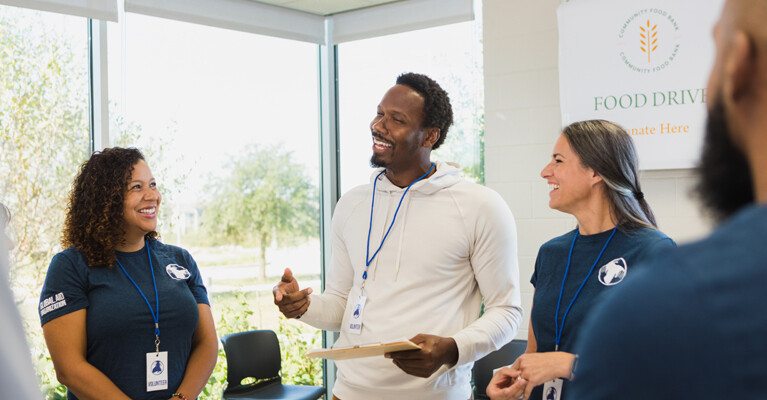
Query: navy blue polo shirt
623	253
120	327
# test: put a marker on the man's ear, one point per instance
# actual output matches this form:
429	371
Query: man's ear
739	68
431	136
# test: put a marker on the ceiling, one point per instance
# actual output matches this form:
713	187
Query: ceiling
326	7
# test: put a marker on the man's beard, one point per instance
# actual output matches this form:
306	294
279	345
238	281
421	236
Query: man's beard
376	162
724	184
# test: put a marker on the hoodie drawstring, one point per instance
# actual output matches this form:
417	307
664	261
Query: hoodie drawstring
401	239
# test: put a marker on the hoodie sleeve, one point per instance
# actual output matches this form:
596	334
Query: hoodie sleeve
496	270
326	311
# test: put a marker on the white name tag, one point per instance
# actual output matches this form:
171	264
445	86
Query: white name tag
552	390
156	371
355	320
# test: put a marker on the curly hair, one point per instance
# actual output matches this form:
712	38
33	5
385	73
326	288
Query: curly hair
437	112
94	219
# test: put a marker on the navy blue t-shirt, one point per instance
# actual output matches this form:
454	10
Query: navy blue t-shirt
690	326
119	325
624	251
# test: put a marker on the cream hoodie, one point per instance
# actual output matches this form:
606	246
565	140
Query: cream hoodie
453	243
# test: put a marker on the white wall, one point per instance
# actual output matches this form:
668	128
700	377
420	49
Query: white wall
522	121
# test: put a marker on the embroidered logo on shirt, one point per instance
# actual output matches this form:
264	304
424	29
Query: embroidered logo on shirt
613	272
52	303
177	272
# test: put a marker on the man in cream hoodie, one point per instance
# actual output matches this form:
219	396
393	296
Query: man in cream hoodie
414	253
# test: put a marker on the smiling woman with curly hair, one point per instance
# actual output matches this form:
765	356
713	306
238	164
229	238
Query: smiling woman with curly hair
107	333
94	223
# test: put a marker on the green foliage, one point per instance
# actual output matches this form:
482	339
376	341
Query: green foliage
43	138
465	142
236	316
297	369
266	197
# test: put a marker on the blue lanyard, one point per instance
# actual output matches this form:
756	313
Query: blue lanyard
155	315
557	328
369	259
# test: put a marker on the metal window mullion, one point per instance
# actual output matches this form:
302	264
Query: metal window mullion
98	85
329	164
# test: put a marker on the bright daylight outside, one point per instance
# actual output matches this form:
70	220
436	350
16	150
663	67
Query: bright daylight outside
229	123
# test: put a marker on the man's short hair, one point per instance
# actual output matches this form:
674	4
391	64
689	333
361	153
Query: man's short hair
437	112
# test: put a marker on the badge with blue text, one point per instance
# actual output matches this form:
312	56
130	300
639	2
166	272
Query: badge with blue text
156	371
355	320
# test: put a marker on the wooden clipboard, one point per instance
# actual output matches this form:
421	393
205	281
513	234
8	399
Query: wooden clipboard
372	350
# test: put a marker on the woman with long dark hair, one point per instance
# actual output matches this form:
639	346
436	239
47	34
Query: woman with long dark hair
124	315
593	175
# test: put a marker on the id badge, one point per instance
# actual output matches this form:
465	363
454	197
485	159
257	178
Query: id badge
552	390
156	371
355	322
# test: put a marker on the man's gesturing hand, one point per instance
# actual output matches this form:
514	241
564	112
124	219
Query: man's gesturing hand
291	301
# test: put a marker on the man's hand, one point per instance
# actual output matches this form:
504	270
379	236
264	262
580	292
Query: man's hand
435	351
292	302
506	385
537	368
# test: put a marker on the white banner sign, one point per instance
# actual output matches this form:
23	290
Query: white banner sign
643	64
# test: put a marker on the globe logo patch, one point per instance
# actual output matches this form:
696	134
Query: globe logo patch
613	272
177	272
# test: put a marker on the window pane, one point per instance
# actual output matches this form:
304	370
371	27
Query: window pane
451	55
43	139
229	124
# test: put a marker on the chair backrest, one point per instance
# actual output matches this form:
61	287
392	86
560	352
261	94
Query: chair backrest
483	368
251	354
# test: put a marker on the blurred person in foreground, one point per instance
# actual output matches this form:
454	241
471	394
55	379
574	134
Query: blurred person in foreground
124	315
17	377
414	252
693	325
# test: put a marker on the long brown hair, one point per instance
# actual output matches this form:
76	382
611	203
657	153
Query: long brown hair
94	219
608	149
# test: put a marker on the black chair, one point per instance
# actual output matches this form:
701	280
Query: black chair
256	354
483	368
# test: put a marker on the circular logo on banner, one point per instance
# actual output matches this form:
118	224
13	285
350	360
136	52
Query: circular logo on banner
648	40
613	272
177	272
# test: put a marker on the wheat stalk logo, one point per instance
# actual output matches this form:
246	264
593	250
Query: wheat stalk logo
649	39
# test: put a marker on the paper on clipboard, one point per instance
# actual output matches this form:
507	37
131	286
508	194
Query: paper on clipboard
372	350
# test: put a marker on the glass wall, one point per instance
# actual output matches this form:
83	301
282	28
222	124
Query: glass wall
43	139
229	124
451	55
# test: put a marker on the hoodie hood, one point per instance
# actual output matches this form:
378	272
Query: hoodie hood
447	175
